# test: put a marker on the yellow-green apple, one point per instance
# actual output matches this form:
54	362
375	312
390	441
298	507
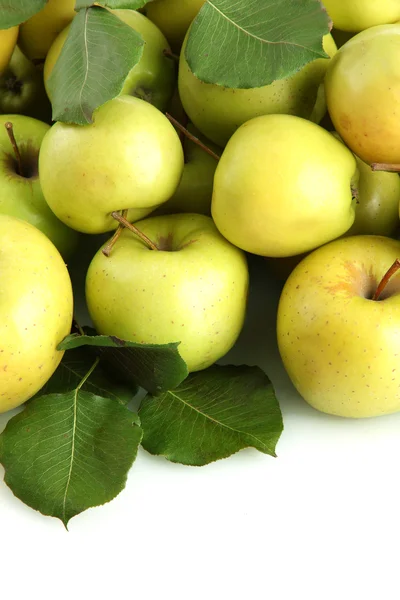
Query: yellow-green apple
173	17
130	158
218	111
362	87
152	78
36	310
377	196
283	186
358	15
38	33
20	191
195	189
192	289
339	345
8	39
22	89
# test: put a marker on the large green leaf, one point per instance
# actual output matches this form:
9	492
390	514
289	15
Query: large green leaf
96	58
212	415
251	43
156	368
132	4
14	12
68	452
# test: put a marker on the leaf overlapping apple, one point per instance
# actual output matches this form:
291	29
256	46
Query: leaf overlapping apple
192	156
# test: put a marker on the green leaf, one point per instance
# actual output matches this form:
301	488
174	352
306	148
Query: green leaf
212	415
72	369
156	368
14	12
251	43
132	4
96	58
68	452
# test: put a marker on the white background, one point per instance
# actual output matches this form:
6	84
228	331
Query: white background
321	521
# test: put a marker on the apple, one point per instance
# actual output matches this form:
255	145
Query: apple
339	345
130	158
38	33
152	79
362	87
195	189
377	196
22	89
358	15
173	17
8	39
192	289
20	191
218	111
36	310
283	187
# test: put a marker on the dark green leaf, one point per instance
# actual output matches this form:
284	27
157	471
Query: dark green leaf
14	12
212	415
251	43
72	369
156	368
68	452
132	4
97	56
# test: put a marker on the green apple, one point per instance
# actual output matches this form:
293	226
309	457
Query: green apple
38	33
283	186
339	346
173	17
218	111
377	196
8	39
20	191
36	310
357	15
192	290
22	89
152	79
195	189
130	158
362	87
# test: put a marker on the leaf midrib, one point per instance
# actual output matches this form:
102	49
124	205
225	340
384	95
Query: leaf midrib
219	423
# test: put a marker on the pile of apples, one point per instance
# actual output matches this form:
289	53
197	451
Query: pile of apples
191	177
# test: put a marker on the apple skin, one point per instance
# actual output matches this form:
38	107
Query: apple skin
340	348
22	89
283	187
218	111
8	39
36	310
195	189
152	79
130	158
377	201
362	87
38	33
173	17
22	197
193	290
357	15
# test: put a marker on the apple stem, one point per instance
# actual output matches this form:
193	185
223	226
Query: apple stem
124	223
107	249
169	54
10	131
385	279
395	168
191	137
